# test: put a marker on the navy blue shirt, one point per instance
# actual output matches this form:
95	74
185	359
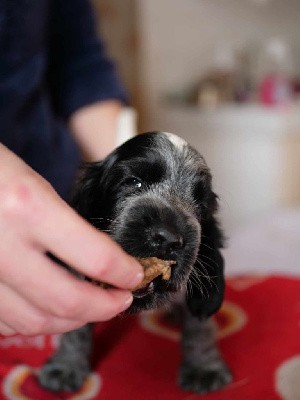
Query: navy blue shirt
51	64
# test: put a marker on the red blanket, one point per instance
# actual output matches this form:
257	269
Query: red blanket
136	358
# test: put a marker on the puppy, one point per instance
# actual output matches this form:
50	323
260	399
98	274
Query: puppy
154	196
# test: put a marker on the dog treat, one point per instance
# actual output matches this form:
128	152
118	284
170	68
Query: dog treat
153	267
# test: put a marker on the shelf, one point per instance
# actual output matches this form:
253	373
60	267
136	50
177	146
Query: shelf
243	120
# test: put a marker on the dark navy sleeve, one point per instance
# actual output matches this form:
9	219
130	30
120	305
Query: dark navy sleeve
79	73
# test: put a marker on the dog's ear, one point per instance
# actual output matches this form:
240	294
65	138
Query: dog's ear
82	198
90	186
207	291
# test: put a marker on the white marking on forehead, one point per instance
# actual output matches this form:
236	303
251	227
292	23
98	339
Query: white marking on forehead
176	140
183	158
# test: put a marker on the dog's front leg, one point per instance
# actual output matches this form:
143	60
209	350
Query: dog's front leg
203	369
70	365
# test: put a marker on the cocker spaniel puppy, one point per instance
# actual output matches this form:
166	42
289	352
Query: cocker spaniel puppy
154	196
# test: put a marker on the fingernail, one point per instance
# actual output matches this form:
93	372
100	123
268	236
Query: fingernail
129	300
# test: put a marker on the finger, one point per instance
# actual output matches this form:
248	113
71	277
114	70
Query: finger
51	288
27	320
89	251
6	330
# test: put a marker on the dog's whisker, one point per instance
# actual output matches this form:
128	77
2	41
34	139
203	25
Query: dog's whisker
103	230
202	265
206	245
210	259
207	264
199	284
196	285
200	275
209	278
101	219
196	280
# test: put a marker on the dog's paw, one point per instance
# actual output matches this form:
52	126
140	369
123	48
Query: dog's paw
204	379
59	375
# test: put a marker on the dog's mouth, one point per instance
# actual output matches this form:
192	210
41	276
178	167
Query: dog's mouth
145	291
156	284
155	271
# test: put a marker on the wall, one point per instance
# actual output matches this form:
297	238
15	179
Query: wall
179	38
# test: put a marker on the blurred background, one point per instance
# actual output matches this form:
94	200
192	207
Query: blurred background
224	75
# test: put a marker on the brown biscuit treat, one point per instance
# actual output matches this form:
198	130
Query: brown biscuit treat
153	267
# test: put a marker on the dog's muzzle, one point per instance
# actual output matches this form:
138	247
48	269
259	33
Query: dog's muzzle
155	228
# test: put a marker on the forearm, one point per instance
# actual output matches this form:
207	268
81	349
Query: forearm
94	128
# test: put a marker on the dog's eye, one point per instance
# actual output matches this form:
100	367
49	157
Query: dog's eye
134	182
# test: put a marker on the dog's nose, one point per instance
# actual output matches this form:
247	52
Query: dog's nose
166	241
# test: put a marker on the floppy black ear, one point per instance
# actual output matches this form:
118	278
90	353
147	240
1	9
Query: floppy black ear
91	186
86	188
205	299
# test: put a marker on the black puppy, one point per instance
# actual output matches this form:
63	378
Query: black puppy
153	195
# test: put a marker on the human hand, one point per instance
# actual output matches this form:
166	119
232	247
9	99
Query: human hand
37	295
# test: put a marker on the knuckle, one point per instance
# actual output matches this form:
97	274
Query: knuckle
112	309
6	331
41	324
35	325
110	313
27	331
68	307
100	269
16	199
